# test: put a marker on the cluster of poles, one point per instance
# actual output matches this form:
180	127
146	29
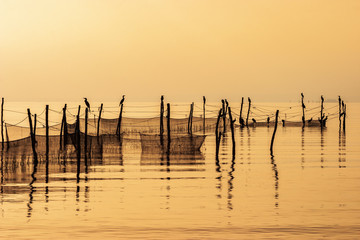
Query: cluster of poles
222	114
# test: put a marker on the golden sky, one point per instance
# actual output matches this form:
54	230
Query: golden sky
269	50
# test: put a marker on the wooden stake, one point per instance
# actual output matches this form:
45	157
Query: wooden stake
78	143
321	112
204	102
86	129
232	131
241	120
162	121
98	126
118	128
47	128
224	115
344	116
190	118
2	123
339	99
273	136
32	136
217	133
248	113
7	137
303	109
168	128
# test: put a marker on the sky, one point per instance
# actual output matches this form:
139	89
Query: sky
183	49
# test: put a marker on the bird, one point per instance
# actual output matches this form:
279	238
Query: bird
254	120
87	103
309	121
268	120
122	100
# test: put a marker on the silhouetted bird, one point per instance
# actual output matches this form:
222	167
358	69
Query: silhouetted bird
268	120
87	103
253	120
309	121
123	99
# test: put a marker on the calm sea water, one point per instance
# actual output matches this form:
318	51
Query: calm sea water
309	190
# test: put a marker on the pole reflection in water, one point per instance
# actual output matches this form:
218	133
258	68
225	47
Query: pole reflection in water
342	149
32	189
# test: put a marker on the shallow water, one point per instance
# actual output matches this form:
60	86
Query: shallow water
310	189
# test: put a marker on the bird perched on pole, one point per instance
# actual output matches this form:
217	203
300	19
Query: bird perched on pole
87	103
122	100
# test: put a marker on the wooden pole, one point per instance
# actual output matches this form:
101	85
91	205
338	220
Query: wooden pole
118	128
86	129
190	118
321	112
32	136
34	130
303	109
65	126
241	120
204	102
232	131
162	121
98	125
344	116
78	143
248	113
168	128
339	99
273	136
217	133
7	137
224	115
2	123
47	128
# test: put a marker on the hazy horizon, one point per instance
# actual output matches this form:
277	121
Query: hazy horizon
268	50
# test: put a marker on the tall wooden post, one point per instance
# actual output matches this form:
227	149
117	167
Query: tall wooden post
65	126
321	112
190	118
241	120
168	128
2	123
86	130
118	128
162	121
339	99
303	109
32	136
224	114
217	133
232	131
273	136
34	130
7	137
204	103
98	125
47	128
344	116
248	113
77	132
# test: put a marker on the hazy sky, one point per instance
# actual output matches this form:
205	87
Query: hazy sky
268	49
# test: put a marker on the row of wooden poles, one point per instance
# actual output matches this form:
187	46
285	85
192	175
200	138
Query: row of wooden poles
222	114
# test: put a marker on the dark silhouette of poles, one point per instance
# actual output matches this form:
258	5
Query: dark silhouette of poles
232	131
63	127
77	132
303	109
118	128
47	128
204	103
273	136
321	112
344	115
162	121
224	115
241	120
168	128
98	125
190	118
32	134
86	130
218	134
2	123
340	112
248	113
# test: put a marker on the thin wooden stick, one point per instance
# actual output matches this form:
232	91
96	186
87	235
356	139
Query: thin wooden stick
273	136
